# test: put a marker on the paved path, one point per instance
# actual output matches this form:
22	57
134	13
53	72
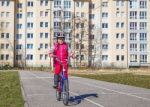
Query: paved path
38	92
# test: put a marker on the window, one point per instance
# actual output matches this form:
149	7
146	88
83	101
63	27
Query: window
2	57
19	5
41	35
46	56
19	46
104	25
122	57
30	35
77	4
2	35
7	14
19	15
7	57
122	25
29	57
2	24
57	3
41	56
2	46
117	58
143	58
104	57
7	24
67	25
143	47
42	13
143	4
117	35
143	25
18	57
133	36
57	14
91	16
29	14
46	14
143	36
41	45
104	4
119	3
104	46
117	46
41	24
29	46
133	3
7	35
104	36
133	58
122	46
133	47
133	25
122	35
30	25
104	15
30	3
82	57
67	4
46	46
7	46
77	46
133	14
143	15
18	36
92	26
67	14
46	35
2	14
46	24
92	36
82	14
7	3
91	46
91	6
19	26
117	25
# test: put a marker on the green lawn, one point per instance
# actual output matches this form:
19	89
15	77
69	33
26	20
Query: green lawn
122	78
10	90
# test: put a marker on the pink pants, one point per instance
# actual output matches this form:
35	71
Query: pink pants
58	69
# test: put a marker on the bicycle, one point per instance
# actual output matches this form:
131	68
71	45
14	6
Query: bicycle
62	90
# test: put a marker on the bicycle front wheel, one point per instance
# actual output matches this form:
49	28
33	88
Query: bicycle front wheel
65	92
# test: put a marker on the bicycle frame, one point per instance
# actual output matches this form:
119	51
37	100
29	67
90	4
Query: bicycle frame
61	81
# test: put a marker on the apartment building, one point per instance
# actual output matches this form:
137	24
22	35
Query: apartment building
32	32
7	32
104	33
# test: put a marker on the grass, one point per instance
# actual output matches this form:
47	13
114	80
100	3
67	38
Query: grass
121	78
10	90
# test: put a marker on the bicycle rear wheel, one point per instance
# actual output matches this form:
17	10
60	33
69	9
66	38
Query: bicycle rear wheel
65	92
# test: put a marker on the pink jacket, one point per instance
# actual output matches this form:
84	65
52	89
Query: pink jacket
61	52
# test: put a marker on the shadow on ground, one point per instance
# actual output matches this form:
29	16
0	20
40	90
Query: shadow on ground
77	99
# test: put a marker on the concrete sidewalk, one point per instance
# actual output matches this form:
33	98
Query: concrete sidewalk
38	92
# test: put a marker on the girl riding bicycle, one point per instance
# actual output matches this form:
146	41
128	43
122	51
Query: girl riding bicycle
60	51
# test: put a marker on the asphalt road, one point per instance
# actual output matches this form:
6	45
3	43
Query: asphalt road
38	92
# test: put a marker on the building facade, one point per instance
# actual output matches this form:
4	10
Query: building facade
102	33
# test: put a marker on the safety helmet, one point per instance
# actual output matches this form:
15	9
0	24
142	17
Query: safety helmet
60	35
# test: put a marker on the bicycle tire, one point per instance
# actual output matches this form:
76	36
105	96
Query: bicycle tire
65	92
